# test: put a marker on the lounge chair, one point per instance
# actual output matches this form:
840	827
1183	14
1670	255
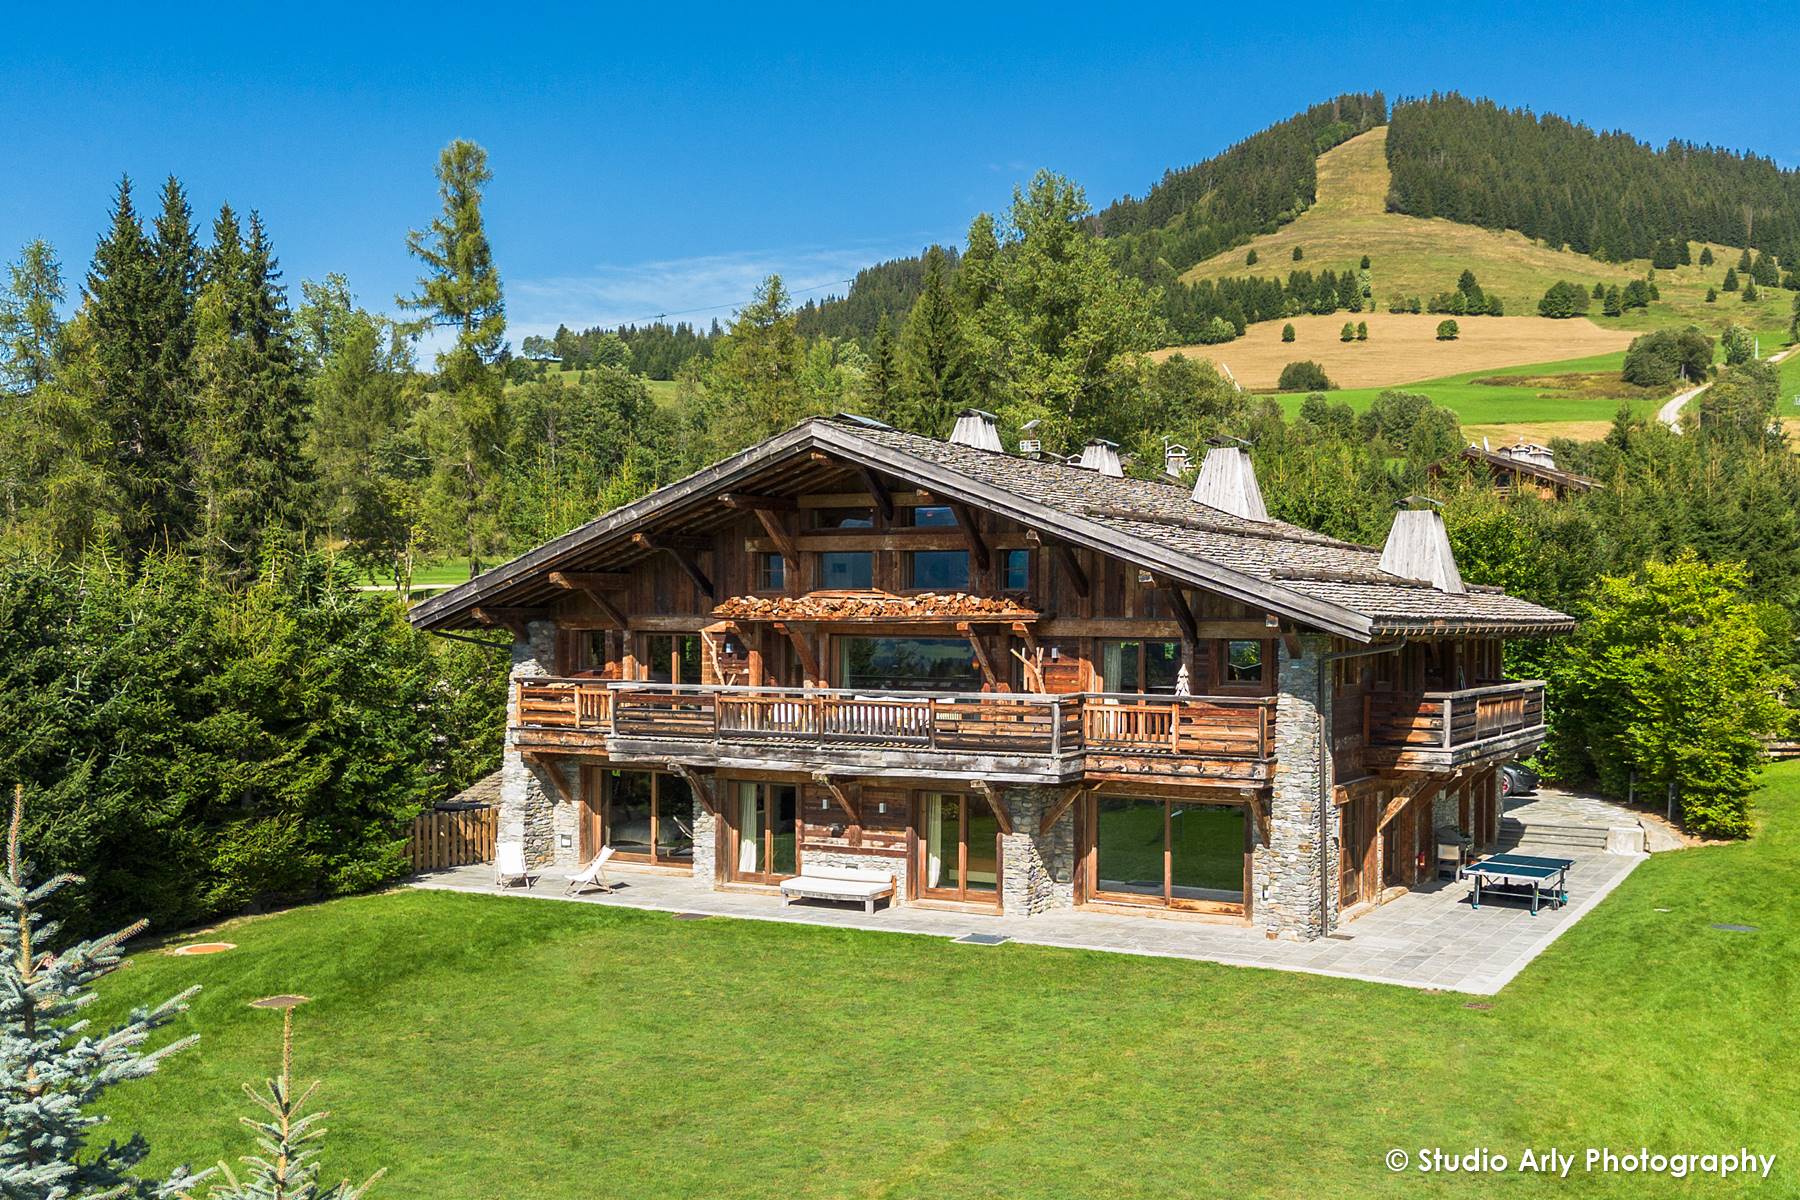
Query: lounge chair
592	876
509	865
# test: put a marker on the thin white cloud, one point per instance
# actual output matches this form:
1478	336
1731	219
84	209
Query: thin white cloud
697	289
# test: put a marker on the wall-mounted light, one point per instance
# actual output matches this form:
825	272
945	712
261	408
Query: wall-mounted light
881	807
565	840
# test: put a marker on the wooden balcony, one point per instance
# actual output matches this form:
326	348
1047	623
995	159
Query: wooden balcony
1452	729
1004	736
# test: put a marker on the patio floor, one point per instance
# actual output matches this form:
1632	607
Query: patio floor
1429	938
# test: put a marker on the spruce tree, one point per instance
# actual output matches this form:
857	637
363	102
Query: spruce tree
1750	292
1250	259
1365	262
289	1139
1298	254
881	378
1731	279
53	1068
30	329
935	381
1614	304
1743	263
1706	256
1712	295
1599	291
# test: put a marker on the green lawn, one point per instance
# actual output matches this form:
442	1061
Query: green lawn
1504	404
496	1047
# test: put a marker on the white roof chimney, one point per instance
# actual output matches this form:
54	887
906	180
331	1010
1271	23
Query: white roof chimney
1418	547
1175	460
1228	483
1102	456
978	429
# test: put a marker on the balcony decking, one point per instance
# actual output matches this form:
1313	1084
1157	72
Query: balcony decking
1453	729
1002	736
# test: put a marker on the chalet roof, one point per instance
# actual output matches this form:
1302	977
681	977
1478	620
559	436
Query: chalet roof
1314	581
1524	466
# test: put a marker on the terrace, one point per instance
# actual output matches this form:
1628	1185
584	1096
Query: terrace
1006	736
1453	729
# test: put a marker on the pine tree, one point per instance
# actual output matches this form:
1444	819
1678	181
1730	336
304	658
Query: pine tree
53	1069
881	378
289	1138
1614	304
1298	254
1599	291
1712	295
1750	292
30	330
1731	279
1706	256
933	358
1743	263
465	424
1250	259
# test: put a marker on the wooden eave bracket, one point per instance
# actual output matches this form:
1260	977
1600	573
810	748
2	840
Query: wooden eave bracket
1071	566
809	662
594	585
683	554
982	657
978	547
777	531
549	767
1178	605
1055	812
701	785
992	795
1413	791
878	492
516	619
840	793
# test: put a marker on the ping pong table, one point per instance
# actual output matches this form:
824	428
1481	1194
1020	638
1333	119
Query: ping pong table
1534	877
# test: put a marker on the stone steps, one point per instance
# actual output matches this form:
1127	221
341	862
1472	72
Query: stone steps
1543	833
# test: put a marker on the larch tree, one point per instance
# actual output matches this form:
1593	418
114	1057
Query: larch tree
753	386
463	425
54	1065
30	329
934	377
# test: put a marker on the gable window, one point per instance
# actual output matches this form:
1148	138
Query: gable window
933	516
938	570
847	570
771	573
1244	663
1015	570
843	518
1140	666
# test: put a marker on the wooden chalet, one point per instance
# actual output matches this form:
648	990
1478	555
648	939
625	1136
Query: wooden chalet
1013	683
1525	467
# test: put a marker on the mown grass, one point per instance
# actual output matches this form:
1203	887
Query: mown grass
498	1047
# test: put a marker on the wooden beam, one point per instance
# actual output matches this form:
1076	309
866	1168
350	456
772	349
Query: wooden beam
982	658
1032	658
682	552
1291	642
809	662
978	547
1178	605
1071	567
1054	813
548	766
992	795
586	583
1258	816
516	619
784	542
1406	796
749	500
840	794
878	492
700	784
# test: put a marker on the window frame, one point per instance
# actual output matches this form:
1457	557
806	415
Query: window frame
1266	657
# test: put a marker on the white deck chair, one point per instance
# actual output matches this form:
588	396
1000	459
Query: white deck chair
509	865
592	876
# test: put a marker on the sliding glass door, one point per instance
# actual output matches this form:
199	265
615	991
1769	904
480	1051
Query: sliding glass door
1168	853
645	816
764	845
959	849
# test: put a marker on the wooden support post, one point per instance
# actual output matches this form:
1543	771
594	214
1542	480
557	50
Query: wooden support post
548	766
992	795
982	658
878	492
700	784
802	643
1054	813
594	585
683	554
841	794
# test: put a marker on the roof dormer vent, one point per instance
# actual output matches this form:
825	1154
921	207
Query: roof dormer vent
978	430
1228	483
1418	547
1102	456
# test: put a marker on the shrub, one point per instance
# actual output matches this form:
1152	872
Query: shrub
1738	343
1564	300
1365	262
1287	332
1304	377
1362	331
1447	331
1660	358
1712	295
1347	333
1298	255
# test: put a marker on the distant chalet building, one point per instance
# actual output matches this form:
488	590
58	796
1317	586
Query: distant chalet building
1012	682
1526	466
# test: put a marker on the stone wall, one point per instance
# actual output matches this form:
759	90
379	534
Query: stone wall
1037	870
844	856
528	799
1289	870
706	839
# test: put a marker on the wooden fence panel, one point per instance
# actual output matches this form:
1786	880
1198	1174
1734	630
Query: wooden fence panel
452	839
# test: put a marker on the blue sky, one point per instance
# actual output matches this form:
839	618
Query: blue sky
660	161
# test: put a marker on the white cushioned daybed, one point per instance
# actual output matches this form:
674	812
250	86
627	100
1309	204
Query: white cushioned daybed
852	884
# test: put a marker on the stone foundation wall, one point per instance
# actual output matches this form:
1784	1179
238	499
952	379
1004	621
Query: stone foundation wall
1289	871
528	800
1037	870
706	842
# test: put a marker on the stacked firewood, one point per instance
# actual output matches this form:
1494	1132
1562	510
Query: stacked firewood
828	606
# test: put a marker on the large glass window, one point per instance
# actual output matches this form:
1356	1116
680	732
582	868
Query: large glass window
960	848
649	817
847	570
843	518
938	570
672	658
1140	666
1168	853
907	664
766	829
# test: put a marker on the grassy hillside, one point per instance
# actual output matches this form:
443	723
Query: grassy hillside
1413	256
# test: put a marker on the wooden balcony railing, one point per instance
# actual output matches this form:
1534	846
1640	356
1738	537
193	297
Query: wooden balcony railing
1011	723
1449	721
